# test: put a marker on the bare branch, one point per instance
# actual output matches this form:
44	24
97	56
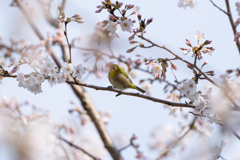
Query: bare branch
79	148
174	104
219	8
232	23
221	123
177	141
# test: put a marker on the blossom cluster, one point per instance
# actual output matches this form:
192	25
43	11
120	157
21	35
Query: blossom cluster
123	21
198	49
45	69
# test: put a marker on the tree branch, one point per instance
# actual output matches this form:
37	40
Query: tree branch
177	141
232	23
75	146
219	8
174	104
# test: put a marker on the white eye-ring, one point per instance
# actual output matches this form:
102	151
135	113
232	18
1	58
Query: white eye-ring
115	68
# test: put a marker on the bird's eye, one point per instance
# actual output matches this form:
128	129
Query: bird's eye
115	68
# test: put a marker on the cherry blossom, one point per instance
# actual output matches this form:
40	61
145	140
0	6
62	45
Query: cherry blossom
79	71
126	25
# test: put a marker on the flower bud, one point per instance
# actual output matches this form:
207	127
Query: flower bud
188	43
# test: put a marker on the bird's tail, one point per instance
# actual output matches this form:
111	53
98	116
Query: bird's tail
139	89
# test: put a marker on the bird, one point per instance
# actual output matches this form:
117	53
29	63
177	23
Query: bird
119	79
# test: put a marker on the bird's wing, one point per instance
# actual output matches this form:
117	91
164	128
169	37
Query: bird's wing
125	74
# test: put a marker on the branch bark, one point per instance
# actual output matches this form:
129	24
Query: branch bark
174	104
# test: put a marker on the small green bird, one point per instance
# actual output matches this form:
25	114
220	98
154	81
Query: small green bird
119	79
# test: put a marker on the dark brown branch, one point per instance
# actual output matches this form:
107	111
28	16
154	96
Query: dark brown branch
10	76
232	23
219	8
77	147
174	104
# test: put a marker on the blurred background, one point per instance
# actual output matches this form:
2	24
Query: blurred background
149	121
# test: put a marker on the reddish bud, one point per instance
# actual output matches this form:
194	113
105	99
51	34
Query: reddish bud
229	71
210	73
207	42
132	42
71	111
139	16
173	66
132	49
132	37
188	43
14	70
182	48
149	21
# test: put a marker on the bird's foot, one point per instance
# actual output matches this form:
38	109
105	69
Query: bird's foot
110	87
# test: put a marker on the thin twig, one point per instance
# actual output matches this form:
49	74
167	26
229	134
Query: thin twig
232	23
65	151
79	148
125	147
177	141
220	122
219	8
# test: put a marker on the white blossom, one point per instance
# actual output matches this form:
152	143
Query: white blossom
67	68
112	27
61	77
79	71
53	70
44	70
34	64
200	104
20	76
32	79
199	36
157	70
40	78
126	25
188	87
53	79
136	9
48	63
